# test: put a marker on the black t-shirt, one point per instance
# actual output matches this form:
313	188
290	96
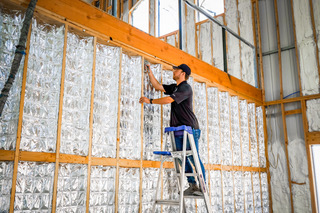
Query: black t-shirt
181	108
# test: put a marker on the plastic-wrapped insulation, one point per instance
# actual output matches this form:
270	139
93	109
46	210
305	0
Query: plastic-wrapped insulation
235	131
105	103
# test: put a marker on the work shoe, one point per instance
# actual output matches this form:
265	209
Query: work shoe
192	190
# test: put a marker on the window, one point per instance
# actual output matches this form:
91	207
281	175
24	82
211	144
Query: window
213	7
315	149
168	20
140	16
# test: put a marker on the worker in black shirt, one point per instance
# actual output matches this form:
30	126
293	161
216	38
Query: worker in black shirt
180	97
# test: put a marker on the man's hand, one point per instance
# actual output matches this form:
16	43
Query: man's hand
144	100
147	68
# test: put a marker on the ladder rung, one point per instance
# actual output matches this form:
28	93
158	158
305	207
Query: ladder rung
177	154
188	174
167	202
194	196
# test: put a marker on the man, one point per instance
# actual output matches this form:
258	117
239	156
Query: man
180	97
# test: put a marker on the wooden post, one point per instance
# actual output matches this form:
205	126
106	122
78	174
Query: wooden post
17	151
308	150
91	123
55	182
282	105
118	135
315	36
141	133
267	156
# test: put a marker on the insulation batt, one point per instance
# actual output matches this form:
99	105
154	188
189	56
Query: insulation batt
313	115
279	177
299	174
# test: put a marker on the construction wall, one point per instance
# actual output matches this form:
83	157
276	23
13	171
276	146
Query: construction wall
291	69
75	138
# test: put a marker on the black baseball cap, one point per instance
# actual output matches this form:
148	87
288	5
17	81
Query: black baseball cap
184	68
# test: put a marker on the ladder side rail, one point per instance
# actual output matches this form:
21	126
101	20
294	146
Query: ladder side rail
197	165
183	166
158	185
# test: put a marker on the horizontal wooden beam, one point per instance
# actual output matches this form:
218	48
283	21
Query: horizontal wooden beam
95	161
289	100
91	18
313	138
292	112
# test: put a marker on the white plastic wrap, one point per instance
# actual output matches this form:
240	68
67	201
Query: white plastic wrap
166	79
34	187
265	192
301	197
172	40
238	191
130	118
190	205
149	186
170	190
105	103
248	192
226	153
41	104
306	47
189	24
72	188
262	153
6	172
213	126
228	193
253	135
313	114
217	52
246	32
244	129
129	183
233	54
77	95
235	131
215	190
256	192
102	189
10	25
152	116
205	42
200	109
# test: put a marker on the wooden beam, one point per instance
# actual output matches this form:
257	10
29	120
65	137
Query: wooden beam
6	155
313	138
289	100
18	140
88	17
91	123
292	112
309	137
57	162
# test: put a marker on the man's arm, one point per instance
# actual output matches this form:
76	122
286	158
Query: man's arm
153	80
164	100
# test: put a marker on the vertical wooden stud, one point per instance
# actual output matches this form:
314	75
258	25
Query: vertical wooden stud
55	182
308	150
17	151
267	157
118	135
315	36
141	133
91	122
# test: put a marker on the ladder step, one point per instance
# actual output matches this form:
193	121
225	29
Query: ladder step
188	174
167	202
178	154
194	196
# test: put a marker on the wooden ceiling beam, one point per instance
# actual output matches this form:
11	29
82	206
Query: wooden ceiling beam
88	17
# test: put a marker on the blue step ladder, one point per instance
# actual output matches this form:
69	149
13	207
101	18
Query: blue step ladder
180	170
